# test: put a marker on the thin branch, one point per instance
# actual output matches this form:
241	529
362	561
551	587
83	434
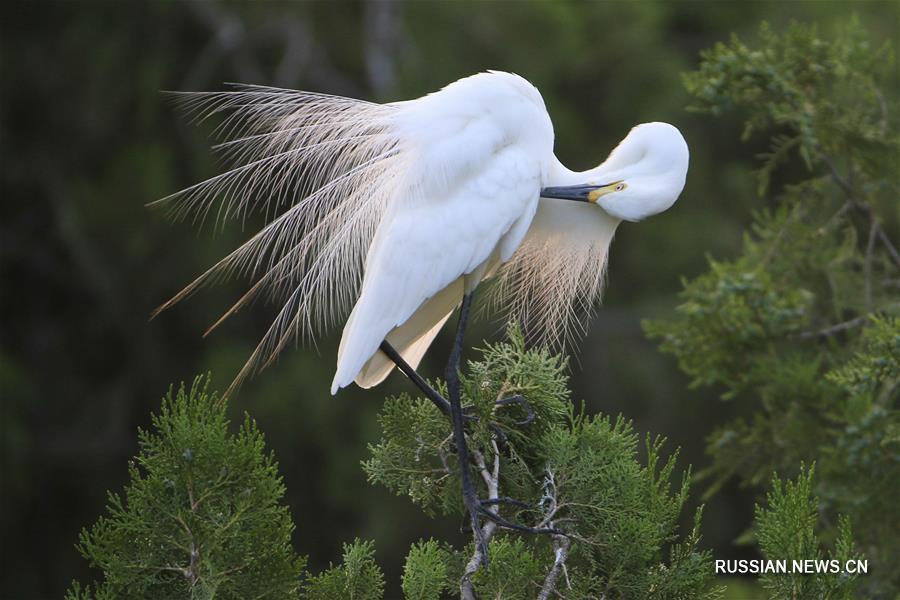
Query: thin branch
492	481
839	327
839	179
561	543
442	454
834	329
193	574
222	480
862	207
192	571
561	552
867	265
837	215
887	244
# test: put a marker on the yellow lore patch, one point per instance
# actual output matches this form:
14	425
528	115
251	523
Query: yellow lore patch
616	186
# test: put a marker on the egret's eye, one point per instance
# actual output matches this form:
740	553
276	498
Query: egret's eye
620	187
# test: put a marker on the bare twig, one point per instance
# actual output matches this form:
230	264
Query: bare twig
561	552
442	454
837	215
192	571
839	327
193	574
839	179
832	330
561	543
492	481
867	265
861	206
887	244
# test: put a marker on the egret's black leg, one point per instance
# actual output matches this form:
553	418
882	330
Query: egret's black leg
417	380
432	394
473	506
476	508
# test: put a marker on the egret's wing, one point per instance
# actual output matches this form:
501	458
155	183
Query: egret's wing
424	247
325	171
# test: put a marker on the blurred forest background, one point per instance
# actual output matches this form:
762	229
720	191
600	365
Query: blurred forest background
87	140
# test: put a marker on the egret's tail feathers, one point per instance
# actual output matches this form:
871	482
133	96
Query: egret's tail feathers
380	366
321	170
358	358
414	337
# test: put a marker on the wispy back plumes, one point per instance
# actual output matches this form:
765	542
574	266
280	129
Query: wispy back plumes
322	170
551	285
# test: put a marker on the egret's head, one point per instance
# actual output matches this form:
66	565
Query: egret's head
643	176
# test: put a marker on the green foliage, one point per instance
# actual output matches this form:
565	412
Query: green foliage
686	566
804	83
731	312
787	531
514	571
873	370
623	510
802	326
201	516
860	469
414	430
425	574
357	578
573	471
83	260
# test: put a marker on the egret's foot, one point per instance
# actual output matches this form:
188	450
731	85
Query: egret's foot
521	401
518	399
485	512
481	509
512	400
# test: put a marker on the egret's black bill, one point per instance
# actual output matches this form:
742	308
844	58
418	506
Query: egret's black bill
579	193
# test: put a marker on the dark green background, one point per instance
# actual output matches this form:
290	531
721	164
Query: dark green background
87	140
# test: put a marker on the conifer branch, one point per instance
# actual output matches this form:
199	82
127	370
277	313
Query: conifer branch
159	527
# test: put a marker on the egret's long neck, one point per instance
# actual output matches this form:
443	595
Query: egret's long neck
578	221
560	175
565	215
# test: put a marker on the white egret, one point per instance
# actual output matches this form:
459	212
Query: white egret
400	210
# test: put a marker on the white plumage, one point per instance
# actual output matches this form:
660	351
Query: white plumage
399	209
